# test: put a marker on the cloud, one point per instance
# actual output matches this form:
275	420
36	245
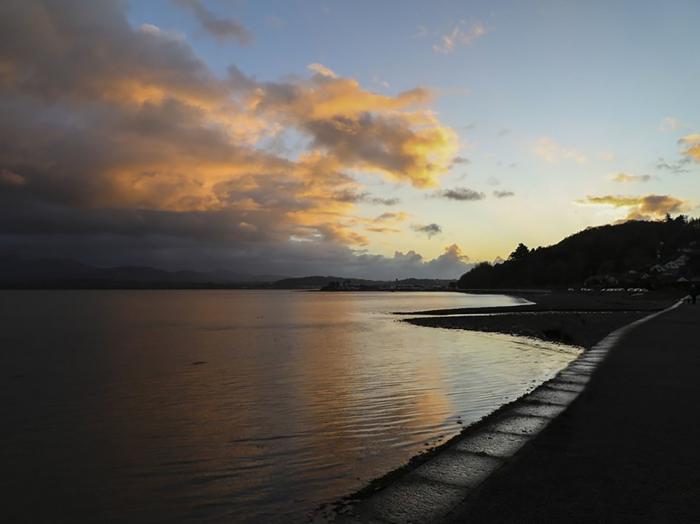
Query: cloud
392	136
429	229
383	230
692	146
392	217
459	36
384	201
462	194
355	197
321	70
351	196
451	264
493	181
649	207
460	160
503	194
292	258
552	152
451	261
690	153
677	167
629	178
669	124
381	83
220	28
123	139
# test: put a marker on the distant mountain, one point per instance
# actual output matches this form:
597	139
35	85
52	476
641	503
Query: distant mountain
19	272
317	282
23	273
634	253
326	283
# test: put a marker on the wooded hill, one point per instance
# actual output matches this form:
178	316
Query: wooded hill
635	253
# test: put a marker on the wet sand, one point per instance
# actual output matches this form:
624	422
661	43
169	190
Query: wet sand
579	319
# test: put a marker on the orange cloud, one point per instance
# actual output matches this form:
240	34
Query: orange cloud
390	135
692	146
629	178
669	124
552	152
647	207
141	127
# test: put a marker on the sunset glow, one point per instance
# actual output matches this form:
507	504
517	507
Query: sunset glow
329	137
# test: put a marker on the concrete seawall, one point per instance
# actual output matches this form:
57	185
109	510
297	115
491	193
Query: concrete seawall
436	488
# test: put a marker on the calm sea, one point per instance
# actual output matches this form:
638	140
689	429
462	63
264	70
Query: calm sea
232	406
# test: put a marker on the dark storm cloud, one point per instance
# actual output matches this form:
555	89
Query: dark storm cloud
118	143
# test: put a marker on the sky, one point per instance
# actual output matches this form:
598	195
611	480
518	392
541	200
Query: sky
377	139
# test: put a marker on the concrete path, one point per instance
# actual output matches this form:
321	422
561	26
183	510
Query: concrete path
626	450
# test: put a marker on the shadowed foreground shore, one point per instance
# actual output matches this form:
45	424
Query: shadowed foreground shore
569	318
444	485
626	450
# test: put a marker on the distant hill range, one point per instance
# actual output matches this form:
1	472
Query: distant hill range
20	273
360	284
17	272
630	254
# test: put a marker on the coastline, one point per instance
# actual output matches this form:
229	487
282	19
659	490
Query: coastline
417	491
576	319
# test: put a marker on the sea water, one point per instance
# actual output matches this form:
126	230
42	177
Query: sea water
233	406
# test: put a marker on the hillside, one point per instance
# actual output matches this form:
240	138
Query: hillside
21	273
16	272
635	253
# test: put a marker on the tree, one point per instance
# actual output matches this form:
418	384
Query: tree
521	252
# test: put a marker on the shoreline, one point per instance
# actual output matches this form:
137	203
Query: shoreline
569	318
591	322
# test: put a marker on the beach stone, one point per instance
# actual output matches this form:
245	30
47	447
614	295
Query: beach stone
581	372
414	500
601	349
593	359
573	378
579	363
501	445
538	409
520	424
552	396
461	469
582	368
565	386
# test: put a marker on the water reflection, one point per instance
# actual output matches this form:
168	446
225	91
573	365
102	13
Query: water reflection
228	406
